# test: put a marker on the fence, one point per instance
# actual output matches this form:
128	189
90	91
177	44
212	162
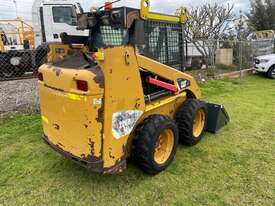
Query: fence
18	56
213	58
18	64
218	57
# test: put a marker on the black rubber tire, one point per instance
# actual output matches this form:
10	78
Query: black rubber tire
7	72
185	117
6	69
146	137
271	72
10	71
25	64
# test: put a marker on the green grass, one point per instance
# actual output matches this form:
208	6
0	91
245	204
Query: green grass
234	167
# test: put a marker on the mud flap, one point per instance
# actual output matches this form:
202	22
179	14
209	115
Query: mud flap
217	117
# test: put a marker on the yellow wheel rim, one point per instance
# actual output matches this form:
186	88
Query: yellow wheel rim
198	123
164	146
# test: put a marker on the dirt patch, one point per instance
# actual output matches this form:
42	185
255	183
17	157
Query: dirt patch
18	96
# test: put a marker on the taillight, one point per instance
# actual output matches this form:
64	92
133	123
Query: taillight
40	76
82	85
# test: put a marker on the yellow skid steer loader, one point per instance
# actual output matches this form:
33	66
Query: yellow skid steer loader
126	95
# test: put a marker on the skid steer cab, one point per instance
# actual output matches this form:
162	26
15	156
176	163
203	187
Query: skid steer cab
126	96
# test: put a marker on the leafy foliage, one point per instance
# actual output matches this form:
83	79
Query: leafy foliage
262	16
206	24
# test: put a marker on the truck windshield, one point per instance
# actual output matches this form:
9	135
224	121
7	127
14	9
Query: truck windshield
104	36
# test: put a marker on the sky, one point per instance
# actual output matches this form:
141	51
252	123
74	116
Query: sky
24	7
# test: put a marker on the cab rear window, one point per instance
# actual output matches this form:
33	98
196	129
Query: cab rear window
109	36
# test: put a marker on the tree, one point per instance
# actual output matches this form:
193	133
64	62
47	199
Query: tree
206	25
236	38
240	29
262	16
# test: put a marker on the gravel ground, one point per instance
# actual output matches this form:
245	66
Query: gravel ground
18	96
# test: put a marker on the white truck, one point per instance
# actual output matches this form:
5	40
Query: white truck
50	18
266	64
194	58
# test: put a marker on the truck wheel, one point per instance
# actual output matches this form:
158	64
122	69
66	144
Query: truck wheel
24	65
15	64
191	120
271	72
155	144
7	71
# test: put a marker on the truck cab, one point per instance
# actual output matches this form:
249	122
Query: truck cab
51	18
266	64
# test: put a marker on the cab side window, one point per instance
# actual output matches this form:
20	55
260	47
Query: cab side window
163	42
65	15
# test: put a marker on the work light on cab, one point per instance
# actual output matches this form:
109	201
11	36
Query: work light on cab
108	5
97	56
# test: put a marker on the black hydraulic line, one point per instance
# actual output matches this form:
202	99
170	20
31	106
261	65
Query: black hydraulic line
157	95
